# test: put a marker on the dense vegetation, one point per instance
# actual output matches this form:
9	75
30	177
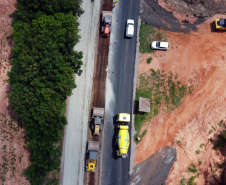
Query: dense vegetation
42	76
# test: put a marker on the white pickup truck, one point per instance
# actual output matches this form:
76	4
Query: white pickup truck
129	28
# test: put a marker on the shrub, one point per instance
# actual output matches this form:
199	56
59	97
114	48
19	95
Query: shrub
191	180
221	123
192	168
182	181
221	141
149	60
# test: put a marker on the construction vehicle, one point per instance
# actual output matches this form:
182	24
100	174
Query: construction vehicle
106	23
98	115
123	139
92	151
220	24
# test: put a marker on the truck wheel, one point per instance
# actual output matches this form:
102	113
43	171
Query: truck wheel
102	29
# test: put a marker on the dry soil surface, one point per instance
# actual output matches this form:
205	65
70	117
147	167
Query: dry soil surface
14	157
199	59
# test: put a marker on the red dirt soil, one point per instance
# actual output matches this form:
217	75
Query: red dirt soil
14	157
199	59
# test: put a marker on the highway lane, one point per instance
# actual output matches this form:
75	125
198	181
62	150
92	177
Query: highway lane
119	90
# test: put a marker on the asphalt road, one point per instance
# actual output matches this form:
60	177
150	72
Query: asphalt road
155	169
119	90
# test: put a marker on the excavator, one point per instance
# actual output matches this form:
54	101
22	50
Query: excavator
220	24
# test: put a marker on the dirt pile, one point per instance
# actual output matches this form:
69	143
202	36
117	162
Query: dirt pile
195	7
13	154
179	15
199	59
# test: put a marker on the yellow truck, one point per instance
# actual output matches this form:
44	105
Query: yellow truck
220	24
92	152
98	115
123	139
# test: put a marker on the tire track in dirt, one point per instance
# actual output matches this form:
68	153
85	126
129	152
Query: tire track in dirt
99	82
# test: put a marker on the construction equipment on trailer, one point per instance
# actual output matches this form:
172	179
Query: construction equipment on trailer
123	139
106	23
92	152
98	115
220	24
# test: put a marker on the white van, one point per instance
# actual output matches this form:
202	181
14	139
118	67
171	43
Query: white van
129	28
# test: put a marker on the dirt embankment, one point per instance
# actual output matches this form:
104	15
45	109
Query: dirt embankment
14	157
199	59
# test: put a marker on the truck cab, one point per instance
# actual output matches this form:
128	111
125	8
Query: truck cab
92	159
97	127
92	154
123	118
97	116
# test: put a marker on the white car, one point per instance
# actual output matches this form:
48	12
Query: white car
160	45
129	28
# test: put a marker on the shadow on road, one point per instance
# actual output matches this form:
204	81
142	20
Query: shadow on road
114	144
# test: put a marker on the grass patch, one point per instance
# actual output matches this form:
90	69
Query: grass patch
149	60
213	128
221	123
164	91
197	151
191	180
147	35
192	168
178	141
182	181
140	136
